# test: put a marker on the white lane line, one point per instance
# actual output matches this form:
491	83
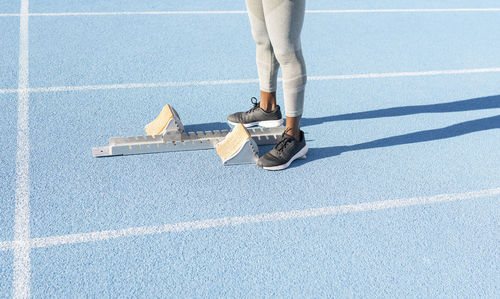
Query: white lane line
205	12
125	13
143	85
22	262
2	91
398	10
260	218
405	74
246	81
8	245
10	15
121	13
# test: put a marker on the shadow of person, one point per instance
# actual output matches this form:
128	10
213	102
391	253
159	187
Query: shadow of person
455	130
465	105
415	137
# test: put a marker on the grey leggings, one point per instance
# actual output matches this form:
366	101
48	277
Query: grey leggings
276	26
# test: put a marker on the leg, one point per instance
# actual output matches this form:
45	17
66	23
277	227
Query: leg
267	64
283	20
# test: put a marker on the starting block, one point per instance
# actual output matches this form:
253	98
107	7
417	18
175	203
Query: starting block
167	121
238	147
167	134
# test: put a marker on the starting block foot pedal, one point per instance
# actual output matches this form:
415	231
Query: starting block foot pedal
238	147
167	122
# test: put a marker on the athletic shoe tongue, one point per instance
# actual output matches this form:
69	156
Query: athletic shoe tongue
281	143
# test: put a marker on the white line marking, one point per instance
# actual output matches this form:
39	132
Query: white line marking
143	85
397	10
8	91
405	74
8	245
22	262
125	13
246	81
10	15
241	220
206	12
121	13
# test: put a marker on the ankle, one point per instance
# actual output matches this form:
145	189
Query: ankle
268	107
297	136
293	127
294	132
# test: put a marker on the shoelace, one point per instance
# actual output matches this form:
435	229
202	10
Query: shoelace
255	103
281	145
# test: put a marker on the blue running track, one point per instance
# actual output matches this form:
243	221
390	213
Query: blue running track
399	195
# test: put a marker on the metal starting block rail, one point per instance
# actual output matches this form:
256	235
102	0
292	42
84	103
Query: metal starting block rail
174	141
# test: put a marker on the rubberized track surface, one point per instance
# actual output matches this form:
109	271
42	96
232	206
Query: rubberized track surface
399	195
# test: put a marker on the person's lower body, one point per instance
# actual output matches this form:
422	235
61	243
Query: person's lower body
276	27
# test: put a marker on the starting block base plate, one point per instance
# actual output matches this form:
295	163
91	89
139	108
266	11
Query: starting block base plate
190	141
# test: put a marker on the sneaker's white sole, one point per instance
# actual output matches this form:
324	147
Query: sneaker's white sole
263	123
298	155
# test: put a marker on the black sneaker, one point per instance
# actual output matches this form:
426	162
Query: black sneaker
284	153
257	117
